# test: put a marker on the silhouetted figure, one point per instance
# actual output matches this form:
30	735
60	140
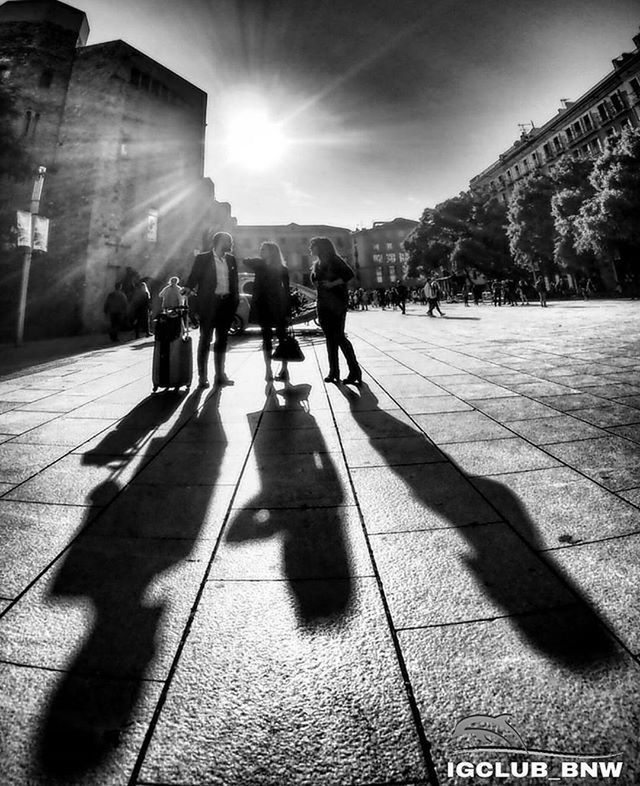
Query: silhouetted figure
116	308
330	274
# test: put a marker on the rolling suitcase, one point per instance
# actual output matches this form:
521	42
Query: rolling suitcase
172	352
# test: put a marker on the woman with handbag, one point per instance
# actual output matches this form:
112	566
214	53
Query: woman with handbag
270	302
330	274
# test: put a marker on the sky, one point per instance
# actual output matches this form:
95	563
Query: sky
346	112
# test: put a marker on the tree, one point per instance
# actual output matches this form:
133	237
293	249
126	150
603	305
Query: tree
530	228
609	221
14	160
574	188
463	233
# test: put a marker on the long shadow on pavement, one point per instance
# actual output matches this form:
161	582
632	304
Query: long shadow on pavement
113	564
499	572
300	500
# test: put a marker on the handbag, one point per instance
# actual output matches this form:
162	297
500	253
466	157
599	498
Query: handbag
288	349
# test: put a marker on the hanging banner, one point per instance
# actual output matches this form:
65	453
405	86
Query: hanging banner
23	224
40	233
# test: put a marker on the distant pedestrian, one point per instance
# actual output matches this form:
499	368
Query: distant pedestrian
541	289
139	304
402	293
171	296
116	307
522	292
331	274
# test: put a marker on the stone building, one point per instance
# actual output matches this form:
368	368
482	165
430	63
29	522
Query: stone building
293	239
579	129
122	139
382	259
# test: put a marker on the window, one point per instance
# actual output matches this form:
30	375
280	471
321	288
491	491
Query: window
376	246
390	259
379	275
603	112
547	150
377	258
392	274
635	86
389	246
508	174
616	102
536	159
586	151
577	128
588	122
557	144
46	78
517	170
569	133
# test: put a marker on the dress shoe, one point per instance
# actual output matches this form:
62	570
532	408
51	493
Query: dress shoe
352	379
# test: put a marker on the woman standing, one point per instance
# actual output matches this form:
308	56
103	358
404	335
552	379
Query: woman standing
270	300
330	274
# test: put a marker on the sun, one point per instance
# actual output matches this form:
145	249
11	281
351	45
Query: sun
254	141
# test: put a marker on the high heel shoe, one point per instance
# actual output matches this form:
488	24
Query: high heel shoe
331	378
353	379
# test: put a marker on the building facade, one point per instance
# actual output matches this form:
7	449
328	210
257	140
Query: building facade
293	240
122	140
380	253
579	129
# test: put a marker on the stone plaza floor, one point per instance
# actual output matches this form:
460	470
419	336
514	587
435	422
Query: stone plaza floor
313	584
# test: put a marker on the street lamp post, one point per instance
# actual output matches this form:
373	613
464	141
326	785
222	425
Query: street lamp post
36	194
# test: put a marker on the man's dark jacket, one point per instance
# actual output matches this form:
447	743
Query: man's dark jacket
203	279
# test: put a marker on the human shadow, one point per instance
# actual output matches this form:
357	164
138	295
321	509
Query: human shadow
114	565
301	500
532	590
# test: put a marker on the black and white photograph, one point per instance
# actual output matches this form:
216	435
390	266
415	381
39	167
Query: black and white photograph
319	392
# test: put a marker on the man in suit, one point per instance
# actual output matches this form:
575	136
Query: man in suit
214	278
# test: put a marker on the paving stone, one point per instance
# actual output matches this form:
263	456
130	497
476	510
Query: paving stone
629	432
612	461
113	606
64	729
24	395
562	428
375	424
518	408
478	389
487	457
632	495
428	496
32	536
454	575
631	401
316	543
609	415
64	431
614	391
555	507
408	386
606	573
59	402
561	680
424	405
188	464
542	389
294	481
16	421
460	427
301	692
74	481
19	462
390	451
371	397
572	401
7	406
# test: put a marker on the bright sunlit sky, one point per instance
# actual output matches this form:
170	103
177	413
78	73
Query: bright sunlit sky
345	111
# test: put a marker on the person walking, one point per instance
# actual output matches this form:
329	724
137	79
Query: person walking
522	292
271	301
171	296
214	278
116	307
403	293
541	289
431	293
330	274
